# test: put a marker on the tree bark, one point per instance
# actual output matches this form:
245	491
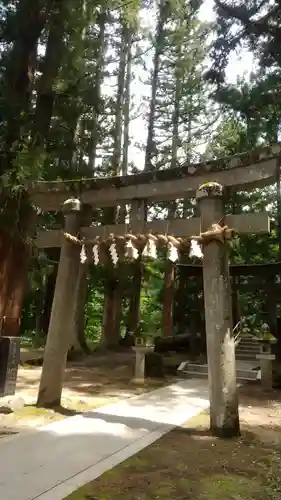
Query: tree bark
78	342
137	217
169	285
159	39
14	260
46	93
44	319
97	90
126	113
30	21
27	26
176	112
180	301
134	299
168	300
110	329
113	291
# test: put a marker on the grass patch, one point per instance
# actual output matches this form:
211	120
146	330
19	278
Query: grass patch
189	464
32	416
29	415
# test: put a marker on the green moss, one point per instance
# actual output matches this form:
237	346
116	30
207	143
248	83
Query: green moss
164	492
200	420
229	487
32	412
80	494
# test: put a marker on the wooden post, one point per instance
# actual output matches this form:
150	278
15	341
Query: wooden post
78	342
224	416
62	312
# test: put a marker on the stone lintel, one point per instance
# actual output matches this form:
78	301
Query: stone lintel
243	223
157	186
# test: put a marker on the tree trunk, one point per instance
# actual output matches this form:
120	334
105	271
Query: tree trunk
14	260
44	319
46	91
97	90
149	152
181	299
126	108
116	157
78	342
28	23
127	102
31	21
169	278
17	269
176	113
134	299
137	217
109	337
133	315
113	295
168	300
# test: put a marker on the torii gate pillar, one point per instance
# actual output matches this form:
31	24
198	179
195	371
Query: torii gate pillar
224	416
62	314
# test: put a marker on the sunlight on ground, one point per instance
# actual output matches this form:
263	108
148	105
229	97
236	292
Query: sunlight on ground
98	381
31	416
189	464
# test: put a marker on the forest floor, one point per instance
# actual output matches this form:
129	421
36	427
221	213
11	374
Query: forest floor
188	463
97	380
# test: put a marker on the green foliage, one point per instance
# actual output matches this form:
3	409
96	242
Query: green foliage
150	305
94	311
84	135
257	25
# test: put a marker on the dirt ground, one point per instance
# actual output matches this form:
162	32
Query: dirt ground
97	380
186	464
189	464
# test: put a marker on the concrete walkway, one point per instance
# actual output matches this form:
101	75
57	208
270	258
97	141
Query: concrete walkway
50	462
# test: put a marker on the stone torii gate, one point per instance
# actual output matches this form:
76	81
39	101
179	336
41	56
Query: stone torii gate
201	181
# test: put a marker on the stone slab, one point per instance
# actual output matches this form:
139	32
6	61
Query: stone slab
238	172
54	460
269	357
258	223
9	362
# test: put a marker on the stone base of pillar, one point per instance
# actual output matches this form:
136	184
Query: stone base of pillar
266	370
140	351
139	381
